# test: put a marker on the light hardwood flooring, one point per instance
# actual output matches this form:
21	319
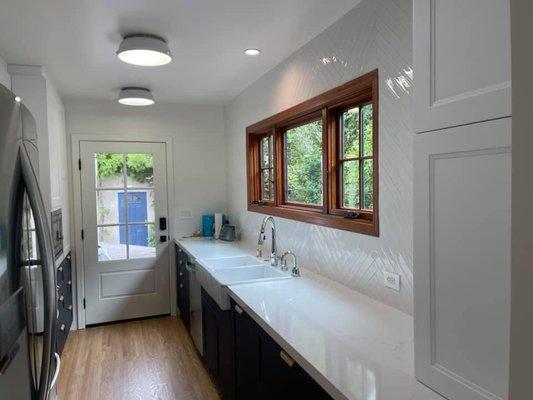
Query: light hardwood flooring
146	359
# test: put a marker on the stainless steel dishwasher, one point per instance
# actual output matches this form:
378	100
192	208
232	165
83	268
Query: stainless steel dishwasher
195	304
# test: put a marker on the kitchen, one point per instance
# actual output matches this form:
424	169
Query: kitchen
331	212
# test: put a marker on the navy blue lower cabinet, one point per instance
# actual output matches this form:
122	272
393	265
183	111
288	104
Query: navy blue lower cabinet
183	286
64	303
263	370
217	327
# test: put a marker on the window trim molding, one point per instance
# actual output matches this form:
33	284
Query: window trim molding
325	106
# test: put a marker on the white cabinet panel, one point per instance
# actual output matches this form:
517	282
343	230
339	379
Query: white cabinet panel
462	62
462	260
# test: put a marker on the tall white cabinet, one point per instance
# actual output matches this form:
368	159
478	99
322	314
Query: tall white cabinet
462	197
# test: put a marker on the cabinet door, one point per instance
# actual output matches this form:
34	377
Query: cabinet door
462	203
462	62
247	372
211	336
218	344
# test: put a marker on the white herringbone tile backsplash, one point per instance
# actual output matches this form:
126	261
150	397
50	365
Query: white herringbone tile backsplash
375	34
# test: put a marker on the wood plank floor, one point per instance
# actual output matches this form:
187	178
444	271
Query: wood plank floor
146	359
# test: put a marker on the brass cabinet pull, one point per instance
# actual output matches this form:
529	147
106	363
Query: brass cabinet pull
286	358
238	309
62	327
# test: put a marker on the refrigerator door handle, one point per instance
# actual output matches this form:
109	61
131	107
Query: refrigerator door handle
56	374
44	236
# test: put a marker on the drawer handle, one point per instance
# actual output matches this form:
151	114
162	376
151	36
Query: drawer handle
180	262
238	309
181	286
286	358
60	269
62	327
70	283
61	298
68	257
70	307
181	273
180	251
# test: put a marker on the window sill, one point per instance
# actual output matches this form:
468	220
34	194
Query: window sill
362	226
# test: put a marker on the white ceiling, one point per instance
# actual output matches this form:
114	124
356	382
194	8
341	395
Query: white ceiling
76	40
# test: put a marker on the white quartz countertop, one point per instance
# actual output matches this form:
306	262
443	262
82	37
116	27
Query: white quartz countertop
353	346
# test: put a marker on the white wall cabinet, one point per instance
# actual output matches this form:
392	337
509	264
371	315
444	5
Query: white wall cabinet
462	204
462	62
44	102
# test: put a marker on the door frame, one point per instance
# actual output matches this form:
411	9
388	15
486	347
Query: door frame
77	223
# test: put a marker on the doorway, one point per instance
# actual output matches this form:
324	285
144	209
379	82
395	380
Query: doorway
124	204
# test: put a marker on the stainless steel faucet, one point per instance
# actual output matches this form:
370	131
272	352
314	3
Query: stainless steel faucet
295	270
274	259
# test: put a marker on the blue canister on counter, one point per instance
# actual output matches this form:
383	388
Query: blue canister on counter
208	225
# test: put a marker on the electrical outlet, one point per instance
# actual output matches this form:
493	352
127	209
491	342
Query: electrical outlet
391	280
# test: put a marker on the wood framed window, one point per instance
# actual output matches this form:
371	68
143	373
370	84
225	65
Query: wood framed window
317	162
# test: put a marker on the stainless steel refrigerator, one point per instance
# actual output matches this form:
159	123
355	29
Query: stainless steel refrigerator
28	309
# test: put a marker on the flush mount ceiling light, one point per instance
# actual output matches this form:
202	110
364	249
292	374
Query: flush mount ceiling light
252	52
135	96
144	50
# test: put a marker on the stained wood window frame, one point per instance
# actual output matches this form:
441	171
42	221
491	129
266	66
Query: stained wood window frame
328	107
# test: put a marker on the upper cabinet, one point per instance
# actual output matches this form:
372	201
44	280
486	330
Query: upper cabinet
462	62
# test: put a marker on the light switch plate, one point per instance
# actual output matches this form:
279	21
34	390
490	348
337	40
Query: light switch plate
185	213
391	280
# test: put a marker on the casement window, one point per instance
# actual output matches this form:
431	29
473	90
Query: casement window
317	162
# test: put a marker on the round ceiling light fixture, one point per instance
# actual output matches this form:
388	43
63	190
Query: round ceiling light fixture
252	52
136	96
144	50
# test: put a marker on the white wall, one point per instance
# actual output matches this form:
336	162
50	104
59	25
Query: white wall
522	198
198	147
375	34
5	79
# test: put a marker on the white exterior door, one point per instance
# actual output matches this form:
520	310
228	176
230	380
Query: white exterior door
125	253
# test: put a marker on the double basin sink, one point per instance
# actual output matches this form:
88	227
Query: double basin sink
216	274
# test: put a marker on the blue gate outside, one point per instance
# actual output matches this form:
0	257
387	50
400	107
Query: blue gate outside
137	212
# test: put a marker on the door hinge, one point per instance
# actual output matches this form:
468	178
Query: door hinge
79	164
84	304
82	234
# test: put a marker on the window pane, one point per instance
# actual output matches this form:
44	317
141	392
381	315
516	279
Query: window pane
109	170
140	170
141	241
111	243
368	169
350	133
108	206
367	129
350	184
266	151
140	206
303	164
267	185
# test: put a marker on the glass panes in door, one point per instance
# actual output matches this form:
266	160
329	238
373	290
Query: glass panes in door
125	199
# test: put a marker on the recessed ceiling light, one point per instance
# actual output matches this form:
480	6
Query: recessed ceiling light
252	52
144	50
135	96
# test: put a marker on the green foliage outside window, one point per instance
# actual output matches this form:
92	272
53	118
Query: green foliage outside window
303	146
139	167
